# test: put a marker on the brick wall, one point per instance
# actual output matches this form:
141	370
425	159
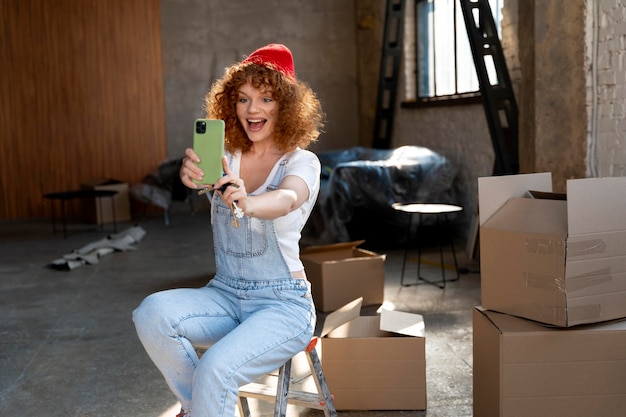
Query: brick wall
606	87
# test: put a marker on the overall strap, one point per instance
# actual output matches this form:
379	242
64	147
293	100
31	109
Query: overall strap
280	173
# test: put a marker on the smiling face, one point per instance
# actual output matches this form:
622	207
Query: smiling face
257	112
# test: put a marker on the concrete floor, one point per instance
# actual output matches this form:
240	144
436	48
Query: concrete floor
68	346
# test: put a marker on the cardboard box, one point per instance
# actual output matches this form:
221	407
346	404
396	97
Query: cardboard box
103	211
556	261
341	272
522	368
374	362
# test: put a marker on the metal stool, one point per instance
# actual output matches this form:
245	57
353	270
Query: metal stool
437	210
322	400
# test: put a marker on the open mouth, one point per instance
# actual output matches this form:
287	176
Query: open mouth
256	124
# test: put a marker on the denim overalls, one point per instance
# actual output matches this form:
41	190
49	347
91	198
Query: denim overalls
252	316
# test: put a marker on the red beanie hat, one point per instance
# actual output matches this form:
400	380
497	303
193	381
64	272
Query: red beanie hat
276	56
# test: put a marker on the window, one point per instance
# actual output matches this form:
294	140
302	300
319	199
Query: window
444	66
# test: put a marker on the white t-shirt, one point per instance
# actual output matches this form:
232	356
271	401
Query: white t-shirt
303	164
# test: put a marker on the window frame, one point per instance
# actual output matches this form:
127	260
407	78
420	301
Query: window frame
412	57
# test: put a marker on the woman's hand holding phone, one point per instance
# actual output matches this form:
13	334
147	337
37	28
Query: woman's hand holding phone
202	165
190	172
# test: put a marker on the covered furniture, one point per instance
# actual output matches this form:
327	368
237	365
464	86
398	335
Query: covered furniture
161	187
359	186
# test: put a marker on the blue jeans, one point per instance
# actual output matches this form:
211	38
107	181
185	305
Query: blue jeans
249	326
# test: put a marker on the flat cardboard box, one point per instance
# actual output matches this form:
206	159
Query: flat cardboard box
341	272
374	362
559	262
103	212
522	368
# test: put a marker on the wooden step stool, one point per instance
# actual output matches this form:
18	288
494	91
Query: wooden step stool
322	400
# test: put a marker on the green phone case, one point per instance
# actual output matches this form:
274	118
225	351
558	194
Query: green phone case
208	144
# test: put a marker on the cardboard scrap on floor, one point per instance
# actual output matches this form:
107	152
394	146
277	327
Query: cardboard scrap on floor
91	253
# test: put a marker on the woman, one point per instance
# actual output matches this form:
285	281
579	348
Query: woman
257	312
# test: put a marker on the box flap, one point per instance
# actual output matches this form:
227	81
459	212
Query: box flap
362	327
596	205
507	323
341	316
333	246
400	322
526	215
493	192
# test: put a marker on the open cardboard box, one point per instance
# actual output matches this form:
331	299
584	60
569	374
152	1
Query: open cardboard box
522	368
556	261
374	362
341	272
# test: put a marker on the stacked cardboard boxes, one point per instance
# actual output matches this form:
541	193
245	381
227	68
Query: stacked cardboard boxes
550	339
370	362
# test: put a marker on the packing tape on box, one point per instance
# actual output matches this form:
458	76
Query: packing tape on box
580	314
589	279
544	282
557	284
586	247
543	246
588	313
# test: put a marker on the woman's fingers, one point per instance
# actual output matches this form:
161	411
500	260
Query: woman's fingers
225	166
189	153
189	171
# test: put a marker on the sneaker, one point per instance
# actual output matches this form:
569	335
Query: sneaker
184	413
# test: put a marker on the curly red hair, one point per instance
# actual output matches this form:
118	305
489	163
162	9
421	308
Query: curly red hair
300	118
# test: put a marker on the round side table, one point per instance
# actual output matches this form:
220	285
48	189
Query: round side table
438	210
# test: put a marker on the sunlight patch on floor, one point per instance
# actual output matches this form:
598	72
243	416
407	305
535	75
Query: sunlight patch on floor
172	411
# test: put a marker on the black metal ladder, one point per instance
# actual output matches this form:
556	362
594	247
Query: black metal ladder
389	72
497	92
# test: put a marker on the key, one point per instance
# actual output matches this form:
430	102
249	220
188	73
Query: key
235	222
237	211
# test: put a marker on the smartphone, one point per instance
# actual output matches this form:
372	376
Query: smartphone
208	144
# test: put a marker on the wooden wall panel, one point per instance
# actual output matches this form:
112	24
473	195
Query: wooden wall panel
81	97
